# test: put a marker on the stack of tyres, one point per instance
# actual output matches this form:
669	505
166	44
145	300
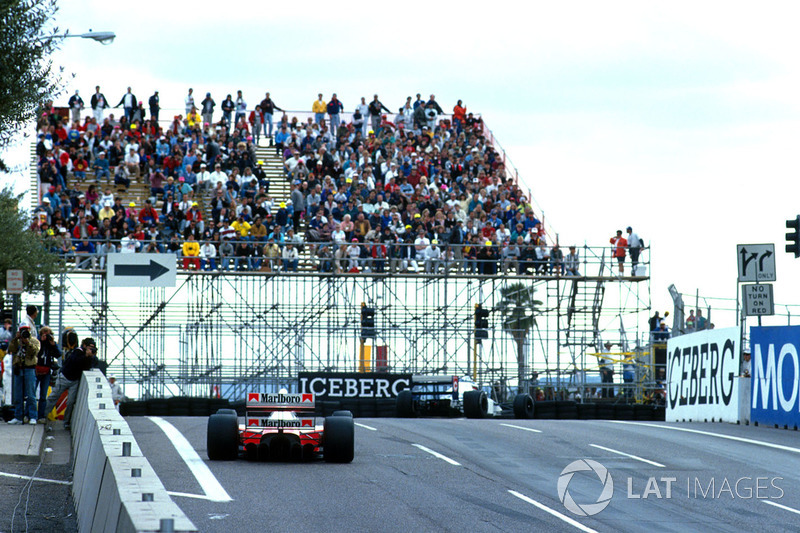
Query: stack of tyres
567	410
546	410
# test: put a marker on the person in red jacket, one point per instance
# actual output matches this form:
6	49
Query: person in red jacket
620	245
148	215
459	116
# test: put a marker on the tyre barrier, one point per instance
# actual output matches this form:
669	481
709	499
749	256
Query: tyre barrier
114	487
403	407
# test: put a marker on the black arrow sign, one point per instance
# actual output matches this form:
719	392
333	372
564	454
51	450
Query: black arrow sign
746	260
761	261
154	270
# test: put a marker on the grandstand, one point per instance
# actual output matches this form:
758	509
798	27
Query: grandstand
425	299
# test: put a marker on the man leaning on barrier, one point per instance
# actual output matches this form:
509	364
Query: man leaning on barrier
78	360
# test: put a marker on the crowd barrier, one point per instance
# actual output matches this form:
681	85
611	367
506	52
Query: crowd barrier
114	487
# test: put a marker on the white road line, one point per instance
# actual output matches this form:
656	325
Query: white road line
187	495
710	434
553	512
211	487
521	427
365	426
628	455
43	480
437	454
768	502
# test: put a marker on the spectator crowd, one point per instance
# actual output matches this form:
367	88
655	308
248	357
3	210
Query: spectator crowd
371	190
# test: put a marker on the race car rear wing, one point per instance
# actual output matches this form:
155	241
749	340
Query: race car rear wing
262	402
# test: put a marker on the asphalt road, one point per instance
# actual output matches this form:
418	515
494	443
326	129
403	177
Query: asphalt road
499	475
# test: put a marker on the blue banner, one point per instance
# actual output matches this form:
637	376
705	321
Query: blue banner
775	368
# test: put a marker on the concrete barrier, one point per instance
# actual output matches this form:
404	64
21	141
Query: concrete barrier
114	487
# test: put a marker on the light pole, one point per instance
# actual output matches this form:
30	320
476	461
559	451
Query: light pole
102	37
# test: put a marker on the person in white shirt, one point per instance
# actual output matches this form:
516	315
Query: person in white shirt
218	176
129	244
204	180
208	256
433	256
189	102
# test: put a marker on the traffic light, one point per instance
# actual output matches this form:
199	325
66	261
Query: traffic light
481	322
793	238
367	322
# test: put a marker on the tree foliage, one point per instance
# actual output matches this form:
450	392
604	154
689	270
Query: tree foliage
21	248
518	309
27	76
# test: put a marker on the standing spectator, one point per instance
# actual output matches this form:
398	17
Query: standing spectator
116	391
268	107
128	103
691	321
153	102
607	371
98	103
256	120
360	117
432	112
701	320
375	108
75	106
620	244
47	362
208	104
628	376
459	117
189	101
334	107
299	203
635	245
29	320
75	362
24	349
6	377
572	262
241	108
319	107
228	107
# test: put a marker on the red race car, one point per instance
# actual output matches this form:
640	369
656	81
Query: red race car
280	427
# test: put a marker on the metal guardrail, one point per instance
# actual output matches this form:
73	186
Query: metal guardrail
375	258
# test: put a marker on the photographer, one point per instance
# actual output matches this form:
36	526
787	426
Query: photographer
24	349
46	365
78	360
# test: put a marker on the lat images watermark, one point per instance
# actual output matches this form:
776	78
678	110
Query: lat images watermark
656	488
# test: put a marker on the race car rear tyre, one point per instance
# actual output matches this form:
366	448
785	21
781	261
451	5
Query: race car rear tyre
339	438
476	404
222	438
523	406
343	413
227	412
405	404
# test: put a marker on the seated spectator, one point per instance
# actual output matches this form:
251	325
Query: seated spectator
191	253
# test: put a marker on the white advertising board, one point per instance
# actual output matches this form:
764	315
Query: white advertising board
702	369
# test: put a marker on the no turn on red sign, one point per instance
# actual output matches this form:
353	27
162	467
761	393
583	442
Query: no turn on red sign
15	281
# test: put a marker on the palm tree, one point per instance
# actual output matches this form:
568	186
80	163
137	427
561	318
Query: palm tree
518	309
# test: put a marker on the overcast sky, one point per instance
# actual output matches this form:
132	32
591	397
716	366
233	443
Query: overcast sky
679	119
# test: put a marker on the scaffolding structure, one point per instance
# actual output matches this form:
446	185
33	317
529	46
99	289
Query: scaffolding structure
229	332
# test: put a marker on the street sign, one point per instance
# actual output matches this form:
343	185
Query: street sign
15	281
756	262
758	300
141	270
